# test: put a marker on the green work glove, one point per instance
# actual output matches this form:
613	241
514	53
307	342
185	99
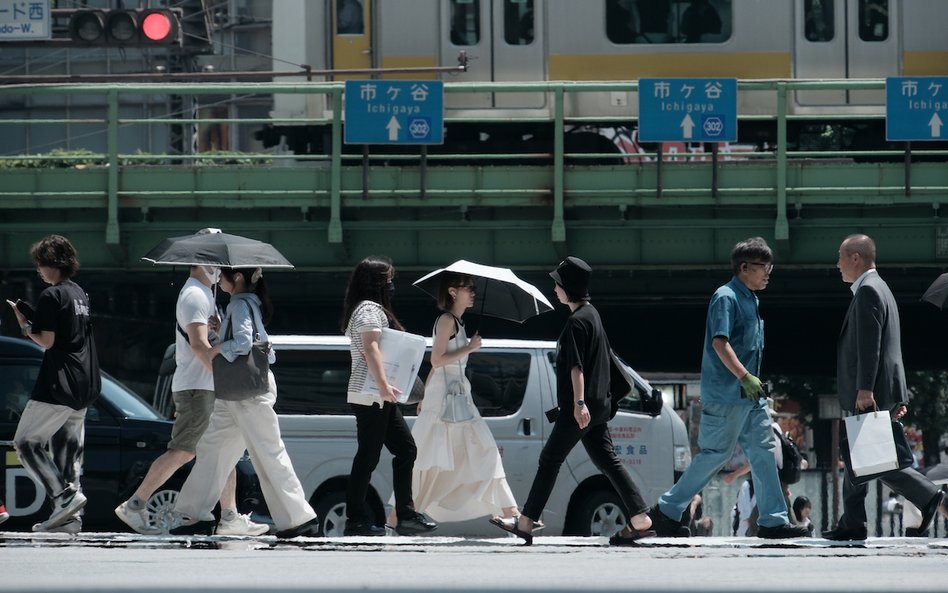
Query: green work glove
751	387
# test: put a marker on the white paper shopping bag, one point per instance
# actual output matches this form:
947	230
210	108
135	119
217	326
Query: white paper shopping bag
871	444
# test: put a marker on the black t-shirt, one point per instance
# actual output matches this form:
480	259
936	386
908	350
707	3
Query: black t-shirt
583	343
69	375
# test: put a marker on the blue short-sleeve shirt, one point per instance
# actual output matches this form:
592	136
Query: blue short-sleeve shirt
733	315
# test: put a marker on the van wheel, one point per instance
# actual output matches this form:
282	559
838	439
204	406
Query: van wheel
159	508
331	510
598	513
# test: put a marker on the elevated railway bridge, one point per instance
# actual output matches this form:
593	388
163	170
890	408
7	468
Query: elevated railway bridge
657	227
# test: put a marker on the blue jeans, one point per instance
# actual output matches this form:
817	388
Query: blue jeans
723	426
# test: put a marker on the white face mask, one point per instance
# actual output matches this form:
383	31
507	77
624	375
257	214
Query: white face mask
213	274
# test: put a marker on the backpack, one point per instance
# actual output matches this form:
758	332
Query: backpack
792	459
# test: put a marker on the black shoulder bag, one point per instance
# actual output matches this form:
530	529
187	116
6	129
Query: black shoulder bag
249	375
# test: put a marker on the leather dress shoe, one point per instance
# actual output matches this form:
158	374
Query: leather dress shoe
415	524
843	534
665	526
308	529
196	528
928	514
787	530
363	528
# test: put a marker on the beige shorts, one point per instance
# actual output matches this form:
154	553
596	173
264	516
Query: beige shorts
192	412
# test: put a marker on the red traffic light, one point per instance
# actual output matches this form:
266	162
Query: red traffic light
160	27
126	28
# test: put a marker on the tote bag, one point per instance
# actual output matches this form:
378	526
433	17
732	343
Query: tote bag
249	374
458	405
874	445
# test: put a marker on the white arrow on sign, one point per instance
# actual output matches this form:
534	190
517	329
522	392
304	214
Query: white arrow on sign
935	124
393	127
687	125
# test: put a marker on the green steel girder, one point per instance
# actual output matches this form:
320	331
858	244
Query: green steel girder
493	214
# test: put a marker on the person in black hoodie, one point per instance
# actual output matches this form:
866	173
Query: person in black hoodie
585	407
68	382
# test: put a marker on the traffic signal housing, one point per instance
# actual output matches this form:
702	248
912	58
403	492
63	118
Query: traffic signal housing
126	28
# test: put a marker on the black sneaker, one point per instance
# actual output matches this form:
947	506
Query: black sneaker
415	524
785	531
308	529
363	528
928	513
665	526
196	528
844	534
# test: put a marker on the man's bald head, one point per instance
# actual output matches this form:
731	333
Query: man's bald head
862	245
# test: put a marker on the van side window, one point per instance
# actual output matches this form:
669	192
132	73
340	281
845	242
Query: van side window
312	381
498	381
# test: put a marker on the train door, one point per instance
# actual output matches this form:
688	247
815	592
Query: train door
504	43
351	35
845	39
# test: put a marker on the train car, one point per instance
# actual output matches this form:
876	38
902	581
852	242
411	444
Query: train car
612	40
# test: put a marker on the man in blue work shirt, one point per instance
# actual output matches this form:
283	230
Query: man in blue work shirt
734	408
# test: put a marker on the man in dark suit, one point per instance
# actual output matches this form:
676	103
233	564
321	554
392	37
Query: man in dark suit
869	372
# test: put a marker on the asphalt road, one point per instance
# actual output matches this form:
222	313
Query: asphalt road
126	562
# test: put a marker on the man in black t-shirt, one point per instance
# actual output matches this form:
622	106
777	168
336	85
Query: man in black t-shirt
583	384
68	382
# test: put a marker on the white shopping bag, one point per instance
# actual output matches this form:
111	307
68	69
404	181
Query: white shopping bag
871	444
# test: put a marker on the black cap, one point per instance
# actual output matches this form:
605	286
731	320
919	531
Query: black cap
573	275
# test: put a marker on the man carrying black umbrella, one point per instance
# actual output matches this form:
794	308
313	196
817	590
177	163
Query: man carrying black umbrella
192	389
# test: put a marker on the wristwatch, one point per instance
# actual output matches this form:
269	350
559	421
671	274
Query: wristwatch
27	329
580	403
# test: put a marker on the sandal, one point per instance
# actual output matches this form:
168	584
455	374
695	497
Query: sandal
537	525
630	539
512	526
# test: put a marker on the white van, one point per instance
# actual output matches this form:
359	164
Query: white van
513	383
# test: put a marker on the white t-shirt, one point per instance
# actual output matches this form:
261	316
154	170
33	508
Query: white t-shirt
195	305
368	316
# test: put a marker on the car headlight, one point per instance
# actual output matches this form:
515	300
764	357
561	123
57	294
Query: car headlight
682	457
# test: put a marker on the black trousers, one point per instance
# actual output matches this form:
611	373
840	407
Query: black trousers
377	427
911	484
598	443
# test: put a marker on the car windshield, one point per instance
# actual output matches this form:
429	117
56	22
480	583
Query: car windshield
129	404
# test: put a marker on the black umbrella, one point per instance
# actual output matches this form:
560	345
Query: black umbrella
937	293
216	249
500	293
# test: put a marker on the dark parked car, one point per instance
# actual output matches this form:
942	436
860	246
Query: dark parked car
124	435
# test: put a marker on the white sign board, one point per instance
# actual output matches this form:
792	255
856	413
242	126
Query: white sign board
24	20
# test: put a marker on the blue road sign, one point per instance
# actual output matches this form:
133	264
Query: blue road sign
916	108
394	112
688	109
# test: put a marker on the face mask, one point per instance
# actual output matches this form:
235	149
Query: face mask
212	273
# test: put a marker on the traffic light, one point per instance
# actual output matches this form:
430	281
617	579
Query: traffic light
126	28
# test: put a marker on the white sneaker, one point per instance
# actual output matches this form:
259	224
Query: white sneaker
241	525
137	520
72	527
64	507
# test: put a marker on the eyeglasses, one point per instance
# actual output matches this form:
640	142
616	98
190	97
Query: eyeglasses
768	267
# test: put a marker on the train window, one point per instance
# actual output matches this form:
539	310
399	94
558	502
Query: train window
465	22
818	20
349	18
668	21
518	22
873	20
